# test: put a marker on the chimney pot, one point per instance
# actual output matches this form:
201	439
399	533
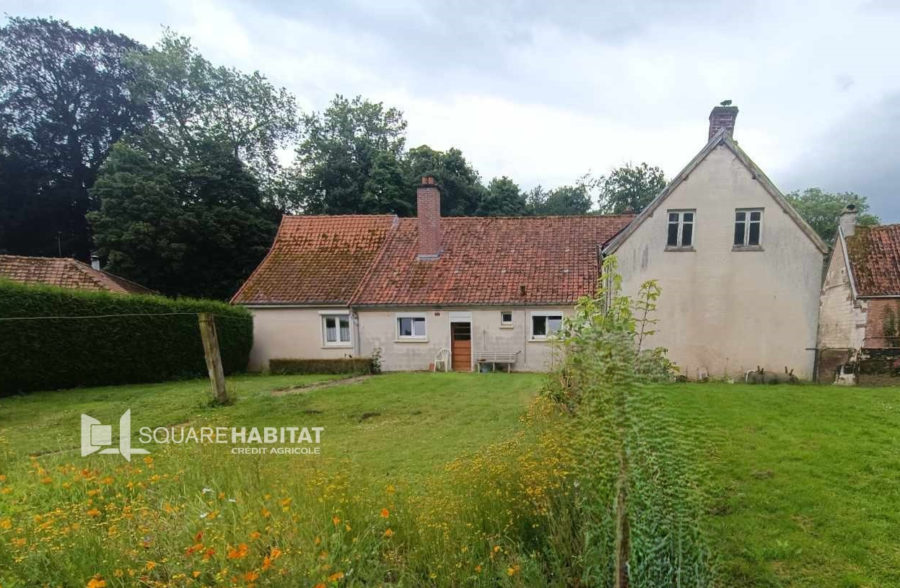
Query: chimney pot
428	211
722	117
847	220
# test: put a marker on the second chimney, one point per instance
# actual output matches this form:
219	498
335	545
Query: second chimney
847	220
428	210
722	117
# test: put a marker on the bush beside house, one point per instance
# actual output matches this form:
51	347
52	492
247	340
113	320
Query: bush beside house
138	339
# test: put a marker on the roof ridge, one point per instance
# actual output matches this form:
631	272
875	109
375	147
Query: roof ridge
38	257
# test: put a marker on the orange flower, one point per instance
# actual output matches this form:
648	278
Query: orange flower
251	576
198	536
96	582
254	535
46	480
385	513
150	565
512	571
478	569
265	512
388	533
321	585
238	552
336	520
93	513
335	576
275	553
208	554
267	563
196	573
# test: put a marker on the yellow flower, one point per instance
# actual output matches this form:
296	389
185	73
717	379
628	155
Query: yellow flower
195	573
496	548
150	565
512	571
385	513
6	523
93	513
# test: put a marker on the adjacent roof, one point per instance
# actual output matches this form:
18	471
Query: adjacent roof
874	256
64	273
493	261
316	260
721	138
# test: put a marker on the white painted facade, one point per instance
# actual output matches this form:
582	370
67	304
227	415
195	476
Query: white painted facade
299	333
726	309
842	317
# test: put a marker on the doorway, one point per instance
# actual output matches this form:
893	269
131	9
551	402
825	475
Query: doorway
461	347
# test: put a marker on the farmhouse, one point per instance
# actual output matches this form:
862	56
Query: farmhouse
740	273
65	272
860	305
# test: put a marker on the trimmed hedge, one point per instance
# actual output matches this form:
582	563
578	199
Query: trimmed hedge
156	345
348	365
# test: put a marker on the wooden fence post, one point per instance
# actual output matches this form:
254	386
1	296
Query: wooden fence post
213	357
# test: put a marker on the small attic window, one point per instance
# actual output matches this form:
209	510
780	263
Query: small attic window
747	228
680	229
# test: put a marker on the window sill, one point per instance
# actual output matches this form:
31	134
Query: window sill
680	249
747	248
411	340
337	346
541	339
507	326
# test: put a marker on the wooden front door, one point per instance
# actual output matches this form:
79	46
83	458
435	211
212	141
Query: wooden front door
461	347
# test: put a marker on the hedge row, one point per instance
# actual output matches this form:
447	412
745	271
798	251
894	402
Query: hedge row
153	346
350	365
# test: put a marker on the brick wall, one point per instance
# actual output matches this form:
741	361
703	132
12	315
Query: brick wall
879	312
428	211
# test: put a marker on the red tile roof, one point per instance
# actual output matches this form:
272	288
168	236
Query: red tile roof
369	260
493	261
65	273
874	254
316	260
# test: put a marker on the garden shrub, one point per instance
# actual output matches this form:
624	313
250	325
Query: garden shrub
638	502
140	338
345	365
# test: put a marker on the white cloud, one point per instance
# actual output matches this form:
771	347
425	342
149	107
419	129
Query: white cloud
544	92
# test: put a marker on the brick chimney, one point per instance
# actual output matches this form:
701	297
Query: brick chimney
428	210
722	117
847	220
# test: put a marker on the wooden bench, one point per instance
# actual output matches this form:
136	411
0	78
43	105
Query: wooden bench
494	357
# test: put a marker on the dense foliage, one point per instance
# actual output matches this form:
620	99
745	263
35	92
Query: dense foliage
630	188
44	345
822	209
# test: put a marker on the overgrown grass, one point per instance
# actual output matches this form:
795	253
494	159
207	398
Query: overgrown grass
424	479
803	479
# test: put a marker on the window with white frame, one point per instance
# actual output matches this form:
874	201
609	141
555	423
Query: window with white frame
506	319
411	327
680	229
545	325
336	329
747	227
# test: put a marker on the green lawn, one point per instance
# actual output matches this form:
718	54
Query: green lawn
803	484
805	481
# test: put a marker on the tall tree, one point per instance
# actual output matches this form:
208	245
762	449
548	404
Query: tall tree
562	201
503	198
347	160
630	187
194	102
64	101
460	185
187	226
821	209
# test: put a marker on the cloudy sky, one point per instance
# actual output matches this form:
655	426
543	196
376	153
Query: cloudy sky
546	91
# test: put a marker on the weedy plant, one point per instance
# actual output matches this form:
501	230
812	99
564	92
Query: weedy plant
639	503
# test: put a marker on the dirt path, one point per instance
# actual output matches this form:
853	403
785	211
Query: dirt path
319	385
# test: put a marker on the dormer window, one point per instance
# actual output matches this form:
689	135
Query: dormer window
680	230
